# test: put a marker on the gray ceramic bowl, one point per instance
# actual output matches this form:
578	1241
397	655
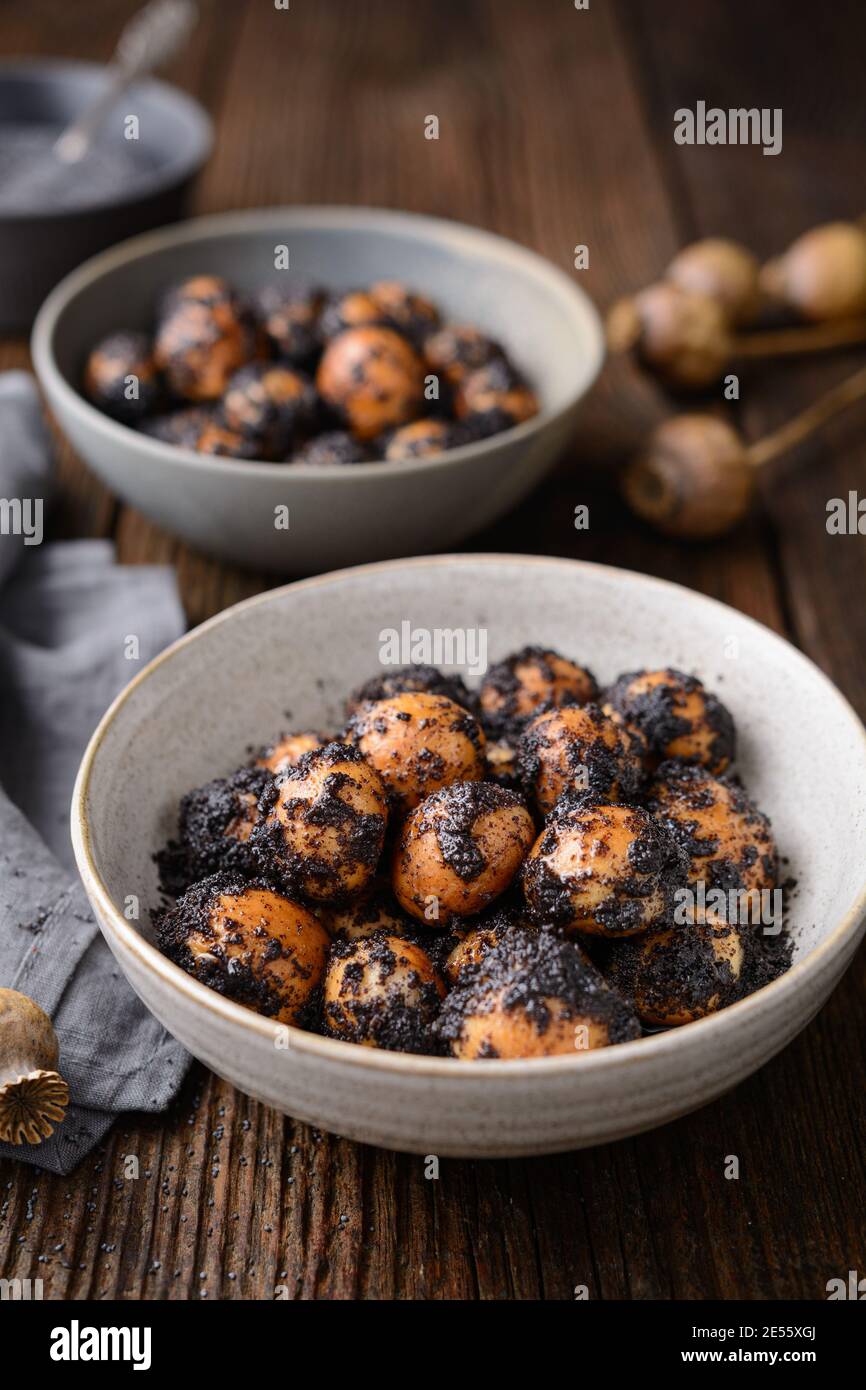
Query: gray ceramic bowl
338	515
39	245
193	713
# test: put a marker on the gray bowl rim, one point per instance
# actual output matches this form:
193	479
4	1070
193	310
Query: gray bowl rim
605	1059
183	107
328	216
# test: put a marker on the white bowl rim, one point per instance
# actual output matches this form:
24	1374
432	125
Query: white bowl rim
330	216
606	1059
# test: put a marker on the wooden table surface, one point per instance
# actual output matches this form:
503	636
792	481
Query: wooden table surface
555	129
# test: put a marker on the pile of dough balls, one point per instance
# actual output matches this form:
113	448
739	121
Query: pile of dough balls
479	874
293	374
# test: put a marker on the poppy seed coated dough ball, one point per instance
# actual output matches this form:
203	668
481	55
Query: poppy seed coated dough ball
682	974
514	689
728	840
250	943
373	379
604	870
458	349
289	313
323	825
120	377
404	678
271	405
459	850
578	748
417	743
203	338
412	313
420	439
535	996
678	717
215	825
377	911
288	750
382	991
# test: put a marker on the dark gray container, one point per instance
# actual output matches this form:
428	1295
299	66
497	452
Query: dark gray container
38	246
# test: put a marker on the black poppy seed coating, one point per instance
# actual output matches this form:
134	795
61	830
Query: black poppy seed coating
204	844
693	791
406	679
390	1020
121	363
363	835
653	712
656	865
289	313
502	678
270	405
232	977
527	969
590	761
335	446
452	813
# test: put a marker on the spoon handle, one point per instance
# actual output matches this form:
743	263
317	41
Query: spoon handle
151	38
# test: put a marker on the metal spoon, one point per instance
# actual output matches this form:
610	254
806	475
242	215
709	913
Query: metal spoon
149	40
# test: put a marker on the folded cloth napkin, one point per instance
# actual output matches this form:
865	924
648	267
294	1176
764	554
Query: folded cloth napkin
66	611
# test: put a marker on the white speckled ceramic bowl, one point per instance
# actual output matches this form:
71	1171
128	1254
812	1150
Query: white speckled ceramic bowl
338	515
294	653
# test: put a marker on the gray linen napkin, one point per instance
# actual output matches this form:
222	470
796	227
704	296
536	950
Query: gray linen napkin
65	610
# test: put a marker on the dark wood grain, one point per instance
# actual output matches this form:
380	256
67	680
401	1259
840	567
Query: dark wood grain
555	130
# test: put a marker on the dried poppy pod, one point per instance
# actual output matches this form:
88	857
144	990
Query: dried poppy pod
460	849
822	275
382	991
33	1094
682	335
605	870
695	478
373	378
514	689
723	270
534	996
247	941
323	825
418	742
681	974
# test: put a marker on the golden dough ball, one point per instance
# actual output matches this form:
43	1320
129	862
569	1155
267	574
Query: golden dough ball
418	742
120	377
514	689
457	350
324	825
459	849
382	991
250	943
398	680
677	715
496	392
377	911
537	996
203	338
288	750
728	840
605	870
421	439
373	378
681	974
578	748
725	270
412	313
477	938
